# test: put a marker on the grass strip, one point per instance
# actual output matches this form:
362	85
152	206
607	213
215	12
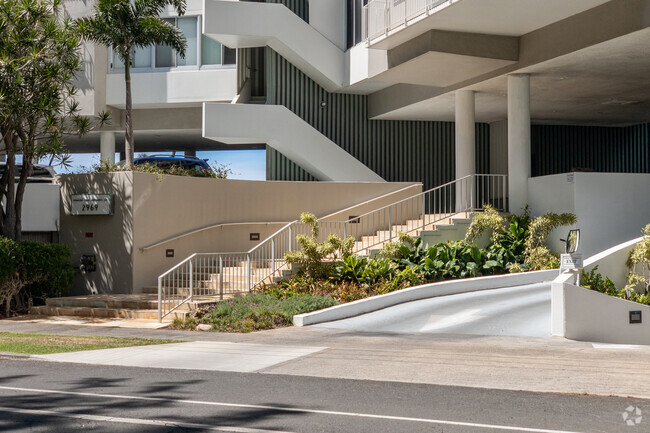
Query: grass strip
42	344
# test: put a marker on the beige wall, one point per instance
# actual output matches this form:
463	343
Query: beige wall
150	209
112	236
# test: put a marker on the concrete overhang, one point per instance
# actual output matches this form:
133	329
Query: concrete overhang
495	17
590	69
441	58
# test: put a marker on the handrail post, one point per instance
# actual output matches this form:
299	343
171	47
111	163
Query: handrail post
159	299
424	210
248	273
273	255
191	279
290	239
390	224
220	278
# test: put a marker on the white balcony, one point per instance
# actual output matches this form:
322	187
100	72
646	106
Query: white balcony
180	88
388	23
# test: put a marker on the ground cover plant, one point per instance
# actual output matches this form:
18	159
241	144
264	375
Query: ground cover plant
253	312
41	344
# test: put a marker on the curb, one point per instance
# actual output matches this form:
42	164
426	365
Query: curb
17	355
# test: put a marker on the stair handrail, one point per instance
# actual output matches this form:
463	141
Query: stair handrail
460	196
439	187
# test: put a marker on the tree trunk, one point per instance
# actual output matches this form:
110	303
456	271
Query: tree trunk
128	121
9	217
28	169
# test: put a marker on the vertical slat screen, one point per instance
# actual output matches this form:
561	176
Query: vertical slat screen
399	151
560	149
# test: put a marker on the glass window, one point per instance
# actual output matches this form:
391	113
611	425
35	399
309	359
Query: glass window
210	51
188	25
229	56
141	57
165	53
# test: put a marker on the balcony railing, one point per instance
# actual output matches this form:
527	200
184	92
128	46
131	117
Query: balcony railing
382	16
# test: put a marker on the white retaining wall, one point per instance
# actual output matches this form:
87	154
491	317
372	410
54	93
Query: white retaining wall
425	291
586	315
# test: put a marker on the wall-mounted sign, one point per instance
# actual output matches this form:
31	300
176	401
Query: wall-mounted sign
91	204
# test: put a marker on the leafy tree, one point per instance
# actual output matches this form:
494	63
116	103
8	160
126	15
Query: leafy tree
126	25
39	56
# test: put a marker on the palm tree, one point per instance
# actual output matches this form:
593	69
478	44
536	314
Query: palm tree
126	25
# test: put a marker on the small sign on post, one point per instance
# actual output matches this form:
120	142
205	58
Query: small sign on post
570	262
91	204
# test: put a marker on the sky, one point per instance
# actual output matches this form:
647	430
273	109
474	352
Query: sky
245	164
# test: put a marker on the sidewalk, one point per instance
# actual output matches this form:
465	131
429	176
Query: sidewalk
514	363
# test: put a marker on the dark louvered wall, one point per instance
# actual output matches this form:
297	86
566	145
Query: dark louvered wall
298	7
560	149
399	151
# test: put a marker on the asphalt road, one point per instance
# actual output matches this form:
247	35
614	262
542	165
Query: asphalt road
64	397
523	311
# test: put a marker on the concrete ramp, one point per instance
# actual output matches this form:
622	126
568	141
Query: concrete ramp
287	133
516	311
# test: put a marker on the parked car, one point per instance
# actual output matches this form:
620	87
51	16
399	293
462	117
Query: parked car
167	161
41	174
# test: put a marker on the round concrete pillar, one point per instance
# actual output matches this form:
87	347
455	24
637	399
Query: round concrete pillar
518	141
465	145
107	147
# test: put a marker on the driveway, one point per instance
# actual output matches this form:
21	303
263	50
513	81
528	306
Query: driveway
516	311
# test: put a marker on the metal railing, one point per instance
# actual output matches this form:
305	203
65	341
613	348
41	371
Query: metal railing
211	275
382	16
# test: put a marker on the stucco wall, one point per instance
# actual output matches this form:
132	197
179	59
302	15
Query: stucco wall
112	235
151	209
611	207
593	316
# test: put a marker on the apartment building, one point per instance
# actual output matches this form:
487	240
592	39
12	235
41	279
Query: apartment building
403	91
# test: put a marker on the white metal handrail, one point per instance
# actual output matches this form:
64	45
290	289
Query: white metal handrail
383	16
217	274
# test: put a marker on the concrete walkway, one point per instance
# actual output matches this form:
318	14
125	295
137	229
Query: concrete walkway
498	362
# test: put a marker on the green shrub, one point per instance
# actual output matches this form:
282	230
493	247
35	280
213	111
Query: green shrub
254	311
317	259
594	281
639	263
220	171
34	270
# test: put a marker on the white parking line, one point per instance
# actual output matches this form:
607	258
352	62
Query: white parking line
291	409
153	422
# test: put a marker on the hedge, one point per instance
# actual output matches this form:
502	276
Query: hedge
47	266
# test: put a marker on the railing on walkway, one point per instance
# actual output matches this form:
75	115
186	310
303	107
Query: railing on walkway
212	275
382	16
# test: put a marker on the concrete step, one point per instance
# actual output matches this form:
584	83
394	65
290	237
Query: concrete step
138	302
121	313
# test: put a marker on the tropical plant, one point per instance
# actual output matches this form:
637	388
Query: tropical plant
39	57
639	263
488	220
125	25
537	255
318	258
595	281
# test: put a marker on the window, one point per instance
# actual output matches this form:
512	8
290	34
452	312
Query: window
199	51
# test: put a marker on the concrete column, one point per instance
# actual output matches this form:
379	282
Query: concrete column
518	141
465	146
190	153
107	147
